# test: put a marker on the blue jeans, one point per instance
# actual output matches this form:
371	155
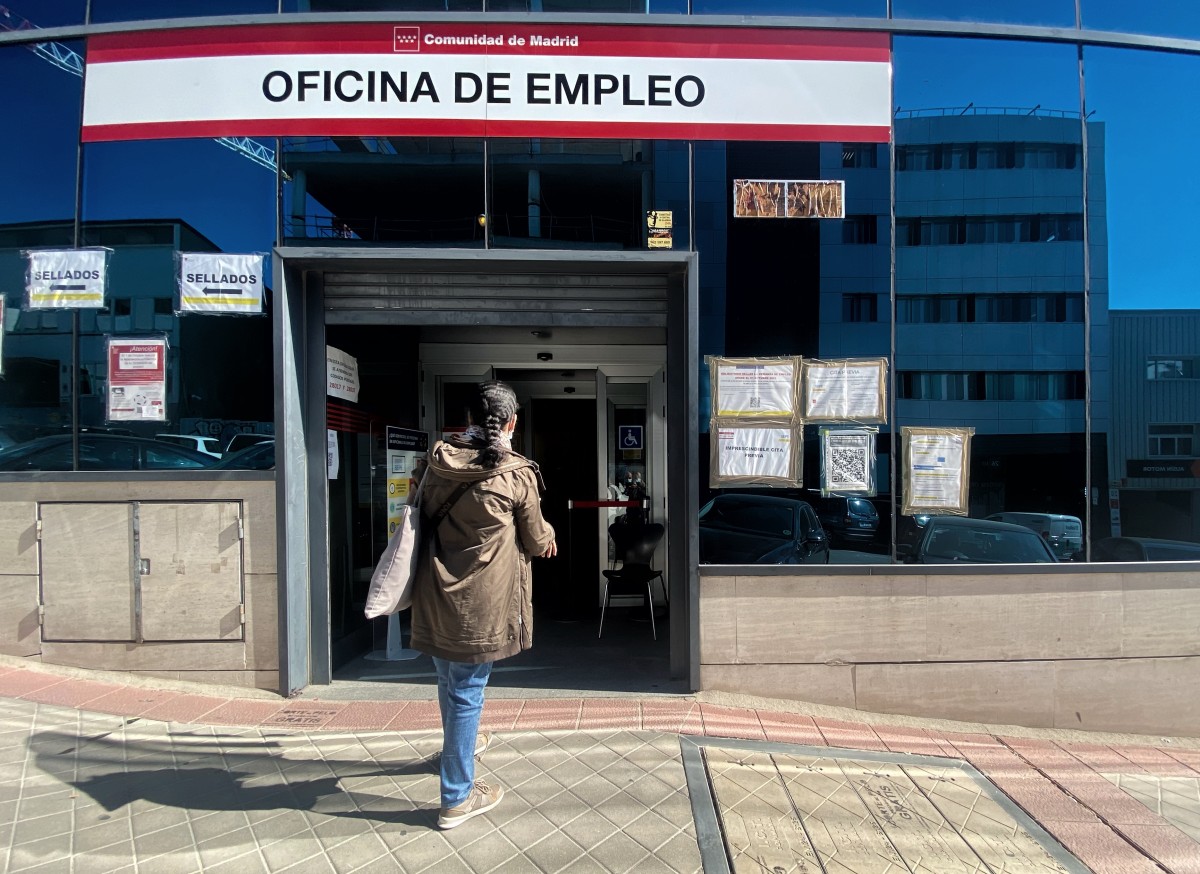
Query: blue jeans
460	698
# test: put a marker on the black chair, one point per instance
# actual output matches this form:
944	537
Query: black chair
635	543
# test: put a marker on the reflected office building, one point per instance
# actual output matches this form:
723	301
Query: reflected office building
990	326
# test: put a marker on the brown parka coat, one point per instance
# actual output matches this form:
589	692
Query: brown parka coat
473	594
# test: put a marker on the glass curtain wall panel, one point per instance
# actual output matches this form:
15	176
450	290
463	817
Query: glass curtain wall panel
1150	394
583	194
37	211
1154	17
820	8
392	190
107	11
989	279
1052	13
147	202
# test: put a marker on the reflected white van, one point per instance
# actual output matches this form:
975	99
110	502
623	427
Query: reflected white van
1063	533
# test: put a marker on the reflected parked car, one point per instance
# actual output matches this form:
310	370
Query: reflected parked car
241	441
1144	549
847	519
102	452
1063	533
957	539
260	456
761	529
207	445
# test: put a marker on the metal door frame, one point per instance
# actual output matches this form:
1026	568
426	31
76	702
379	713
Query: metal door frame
299	315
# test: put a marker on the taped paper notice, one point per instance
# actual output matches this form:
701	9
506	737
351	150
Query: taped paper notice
938	466
757	388
848	390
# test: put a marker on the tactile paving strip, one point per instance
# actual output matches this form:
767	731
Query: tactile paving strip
782	809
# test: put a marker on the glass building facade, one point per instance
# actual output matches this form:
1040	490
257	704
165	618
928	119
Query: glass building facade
986	253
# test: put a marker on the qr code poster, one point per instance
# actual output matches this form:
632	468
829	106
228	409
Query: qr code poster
848	461
846	390
763	389
754	455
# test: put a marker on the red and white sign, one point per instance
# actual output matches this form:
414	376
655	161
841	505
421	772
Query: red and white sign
511	79
137	380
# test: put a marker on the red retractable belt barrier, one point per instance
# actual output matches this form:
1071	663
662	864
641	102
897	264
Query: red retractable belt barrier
592	505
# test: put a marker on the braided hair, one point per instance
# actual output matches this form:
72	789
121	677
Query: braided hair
491	409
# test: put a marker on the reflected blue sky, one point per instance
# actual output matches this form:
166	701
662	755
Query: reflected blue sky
1153	177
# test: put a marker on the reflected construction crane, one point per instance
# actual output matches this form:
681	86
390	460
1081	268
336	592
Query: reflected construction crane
66	59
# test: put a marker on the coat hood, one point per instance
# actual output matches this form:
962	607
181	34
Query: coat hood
459	461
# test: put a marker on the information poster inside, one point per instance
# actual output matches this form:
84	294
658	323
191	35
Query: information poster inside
847	390
784	198
658	228
754	455
66	278
215	282
937	463
342	370
848	461
333	459
404	447
137	380
758	388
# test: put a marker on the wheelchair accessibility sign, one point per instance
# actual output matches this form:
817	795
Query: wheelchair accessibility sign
629	436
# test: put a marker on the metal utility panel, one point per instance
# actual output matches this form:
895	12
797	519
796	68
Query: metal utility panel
191	581
142	570
88	579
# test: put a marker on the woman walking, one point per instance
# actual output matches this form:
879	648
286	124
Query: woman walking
472	600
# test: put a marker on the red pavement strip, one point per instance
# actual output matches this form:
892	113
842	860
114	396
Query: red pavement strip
1058	784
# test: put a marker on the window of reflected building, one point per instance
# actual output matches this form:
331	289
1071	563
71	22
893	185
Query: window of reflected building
989	272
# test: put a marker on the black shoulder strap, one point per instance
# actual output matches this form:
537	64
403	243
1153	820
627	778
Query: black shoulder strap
442	511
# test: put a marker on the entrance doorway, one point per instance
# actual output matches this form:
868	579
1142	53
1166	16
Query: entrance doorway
620	324
584	419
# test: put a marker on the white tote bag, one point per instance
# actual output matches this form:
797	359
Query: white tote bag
392	583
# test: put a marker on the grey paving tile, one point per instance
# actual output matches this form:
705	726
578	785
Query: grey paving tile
619	853
101	837
291	851
167	840
88	863
490	852
250	863
584	865
187	862
564	808
355	852
554	852
29	831
234	845
39	852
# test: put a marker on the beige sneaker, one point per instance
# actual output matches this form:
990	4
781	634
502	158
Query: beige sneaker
482	799
483	740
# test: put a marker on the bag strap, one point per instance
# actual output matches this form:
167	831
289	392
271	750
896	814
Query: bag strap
442	511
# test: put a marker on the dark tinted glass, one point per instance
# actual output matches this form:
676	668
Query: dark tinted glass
37	210
834	8
42	13
136	10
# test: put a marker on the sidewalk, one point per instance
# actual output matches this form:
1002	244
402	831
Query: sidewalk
114	774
